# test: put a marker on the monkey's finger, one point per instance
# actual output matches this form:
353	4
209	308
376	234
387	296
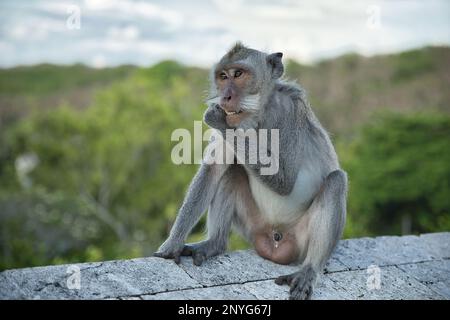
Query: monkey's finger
187	251
176	257
281	280
198	258
158	255
298	285
296	292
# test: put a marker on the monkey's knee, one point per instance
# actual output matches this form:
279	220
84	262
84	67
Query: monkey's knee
337	182
332	197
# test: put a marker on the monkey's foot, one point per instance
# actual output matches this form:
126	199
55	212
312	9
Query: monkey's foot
301	283
200	251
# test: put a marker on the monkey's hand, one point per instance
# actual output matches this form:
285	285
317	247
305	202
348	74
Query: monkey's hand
215	117
202	250
301	283
170	249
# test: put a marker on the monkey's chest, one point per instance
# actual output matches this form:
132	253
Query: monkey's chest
285	209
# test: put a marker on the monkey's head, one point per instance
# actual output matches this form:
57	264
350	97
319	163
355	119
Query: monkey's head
240	80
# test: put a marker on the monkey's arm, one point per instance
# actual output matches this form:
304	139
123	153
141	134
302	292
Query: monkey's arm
284	179
284	156
199	196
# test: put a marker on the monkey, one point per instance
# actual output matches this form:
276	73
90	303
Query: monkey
294	216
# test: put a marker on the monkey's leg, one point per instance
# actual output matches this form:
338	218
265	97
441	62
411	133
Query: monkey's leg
246	218
199	196
327	219
220	215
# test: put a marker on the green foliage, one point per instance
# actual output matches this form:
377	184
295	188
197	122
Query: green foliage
413	63
38	228
399	170
46	78
112	159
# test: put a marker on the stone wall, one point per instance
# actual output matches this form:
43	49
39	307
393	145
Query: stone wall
408	267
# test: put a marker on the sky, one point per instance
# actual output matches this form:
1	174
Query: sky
113	32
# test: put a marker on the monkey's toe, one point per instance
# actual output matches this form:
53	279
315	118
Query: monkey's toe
286	279
301	283
301	289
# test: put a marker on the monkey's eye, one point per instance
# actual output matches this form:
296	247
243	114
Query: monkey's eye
223	76
237	73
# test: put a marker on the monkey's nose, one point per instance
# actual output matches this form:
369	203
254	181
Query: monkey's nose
226	98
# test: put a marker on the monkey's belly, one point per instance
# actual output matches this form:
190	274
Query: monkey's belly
284	251
285	210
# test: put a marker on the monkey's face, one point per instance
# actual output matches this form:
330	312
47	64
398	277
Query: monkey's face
233	83
240	80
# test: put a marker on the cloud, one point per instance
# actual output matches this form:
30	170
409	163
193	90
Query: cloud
136	9
127	33
140	32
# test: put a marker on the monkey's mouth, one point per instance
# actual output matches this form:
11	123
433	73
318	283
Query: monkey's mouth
229	113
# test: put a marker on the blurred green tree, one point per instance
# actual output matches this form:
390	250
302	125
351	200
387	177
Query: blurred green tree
399	169
105	171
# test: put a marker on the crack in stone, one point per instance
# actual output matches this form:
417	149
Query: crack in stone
101	264
203	287
55	284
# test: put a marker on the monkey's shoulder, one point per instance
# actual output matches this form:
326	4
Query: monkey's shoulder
291	90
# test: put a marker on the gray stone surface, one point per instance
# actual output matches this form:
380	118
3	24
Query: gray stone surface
438	244
109	279
382	251
395	284
410	267
434	274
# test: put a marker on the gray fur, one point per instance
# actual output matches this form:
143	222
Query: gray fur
304	147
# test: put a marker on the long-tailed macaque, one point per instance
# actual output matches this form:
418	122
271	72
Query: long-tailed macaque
295	215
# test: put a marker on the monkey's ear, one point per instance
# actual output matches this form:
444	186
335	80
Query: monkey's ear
274	61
